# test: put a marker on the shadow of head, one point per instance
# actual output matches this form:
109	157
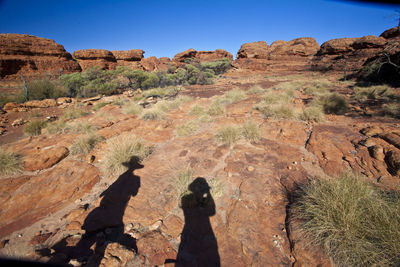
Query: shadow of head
199	186
199	195
133	163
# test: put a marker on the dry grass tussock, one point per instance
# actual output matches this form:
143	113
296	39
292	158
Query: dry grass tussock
234	96
184	178
356	223
10	163
121	149
132	108
251	131
84	144
34	127
228	134
187	128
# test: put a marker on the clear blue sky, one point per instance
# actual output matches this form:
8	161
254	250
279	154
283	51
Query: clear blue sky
165	28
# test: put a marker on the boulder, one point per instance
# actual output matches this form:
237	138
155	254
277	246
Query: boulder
88	58
298	47
180	57
370	41
204	56
153	63
337	46
45	103
33	56
128	55
20	207
391	33
155	248
258	50
39	158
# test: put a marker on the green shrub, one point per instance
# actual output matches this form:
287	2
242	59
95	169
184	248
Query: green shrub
10	163
17	97
228	134
44	88
356	223
312	113
34	127
251	131
218	67
187	128
84	144
334	103
121	149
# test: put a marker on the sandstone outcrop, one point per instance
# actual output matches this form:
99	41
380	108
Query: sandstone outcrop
88	58
153	63
347	55
21	208
280	56
30	55
391	33
129	58
201	56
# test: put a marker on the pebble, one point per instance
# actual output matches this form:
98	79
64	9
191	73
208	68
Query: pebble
250	168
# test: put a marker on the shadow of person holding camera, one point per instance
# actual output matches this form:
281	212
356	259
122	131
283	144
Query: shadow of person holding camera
198	245
104	224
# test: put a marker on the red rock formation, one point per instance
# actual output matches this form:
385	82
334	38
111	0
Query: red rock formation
129	58
180	57
347	54
153	63
95	57
204	56
391	33
294	55
31	55
258	50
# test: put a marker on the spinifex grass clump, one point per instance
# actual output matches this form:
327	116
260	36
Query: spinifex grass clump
10	163
121	149
228	134
34	127
251	131
356	223
85	144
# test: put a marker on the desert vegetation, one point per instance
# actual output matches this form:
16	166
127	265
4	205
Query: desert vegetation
85	143
120	150
34	127
356	223
10	163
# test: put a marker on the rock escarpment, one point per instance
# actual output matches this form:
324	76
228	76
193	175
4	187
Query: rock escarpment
31	55
347	54
202	56
280	56
88	58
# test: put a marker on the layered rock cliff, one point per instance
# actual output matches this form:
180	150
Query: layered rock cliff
30	55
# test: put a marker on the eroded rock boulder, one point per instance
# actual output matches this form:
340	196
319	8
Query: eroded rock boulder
153	63
258	50
95	57
129	58
54	189
30	55
187	54
204	56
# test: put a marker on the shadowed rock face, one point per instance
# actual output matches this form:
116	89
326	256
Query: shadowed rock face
202	56
30	55
95	57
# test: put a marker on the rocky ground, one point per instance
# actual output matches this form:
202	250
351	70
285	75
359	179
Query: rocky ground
139	218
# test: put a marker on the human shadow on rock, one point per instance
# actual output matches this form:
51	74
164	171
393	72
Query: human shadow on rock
104	224
198	245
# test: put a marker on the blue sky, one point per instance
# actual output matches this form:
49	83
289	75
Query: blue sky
165	28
